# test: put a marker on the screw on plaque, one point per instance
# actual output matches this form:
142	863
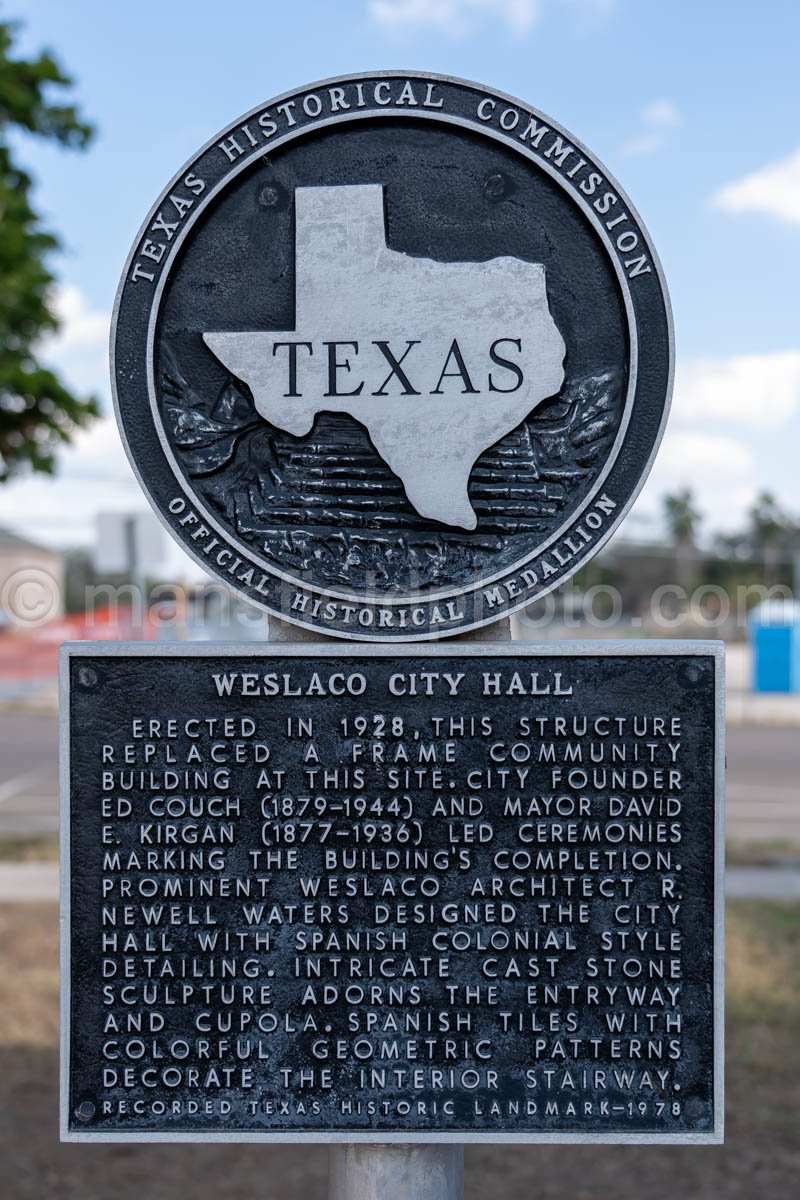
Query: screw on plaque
271	195
691	675
87	677
497	187
85	1111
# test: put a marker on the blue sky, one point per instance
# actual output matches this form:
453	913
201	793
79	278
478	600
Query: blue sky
694	105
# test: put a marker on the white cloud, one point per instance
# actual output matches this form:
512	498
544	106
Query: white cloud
80	325
93	473
685	456
657	121
661	114
751	390
93	476
645	143
774	189
461	17
97	453
79	350
720	471
729	435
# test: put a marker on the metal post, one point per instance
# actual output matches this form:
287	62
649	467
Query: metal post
381	1170
378	1171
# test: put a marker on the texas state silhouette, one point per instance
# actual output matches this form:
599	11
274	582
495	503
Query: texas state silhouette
437	360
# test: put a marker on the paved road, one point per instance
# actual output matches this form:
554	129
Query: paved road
763	785
28	773
763	779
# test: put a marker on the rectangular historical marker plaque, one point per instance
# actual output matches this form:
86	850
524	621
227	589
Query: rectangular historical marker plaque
392	892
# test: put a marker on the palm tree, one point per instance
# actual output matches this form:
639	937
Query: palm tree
683	519
682	516
769	527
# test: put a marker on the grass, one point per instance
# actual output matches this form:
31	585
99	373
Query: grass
780	852
29	847
761	1156
763	981
763	996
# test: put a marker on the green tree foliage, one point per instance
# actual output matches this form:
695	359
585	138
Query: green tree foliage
682	517
37	412
770	529
769	523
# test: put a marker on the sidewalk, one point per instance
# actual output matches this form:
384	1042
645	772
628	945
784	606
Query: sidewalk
28	881
762	883
764	708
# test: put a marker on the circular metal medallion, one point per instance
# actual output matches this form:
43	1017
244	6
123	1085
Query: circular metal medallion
392	356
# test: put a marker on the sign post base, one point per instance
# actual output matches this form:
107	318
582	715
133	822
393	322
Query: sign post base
404	1172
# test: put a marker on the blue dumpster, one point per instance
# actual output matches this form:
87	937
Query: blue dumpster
775	641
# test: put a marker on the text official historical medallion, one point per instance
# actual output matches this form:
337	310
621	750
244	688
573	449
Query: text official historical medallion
392	893
392	356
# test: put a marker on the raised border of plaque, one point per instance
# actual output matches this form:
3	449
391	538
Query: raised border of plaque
518	653
354	606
